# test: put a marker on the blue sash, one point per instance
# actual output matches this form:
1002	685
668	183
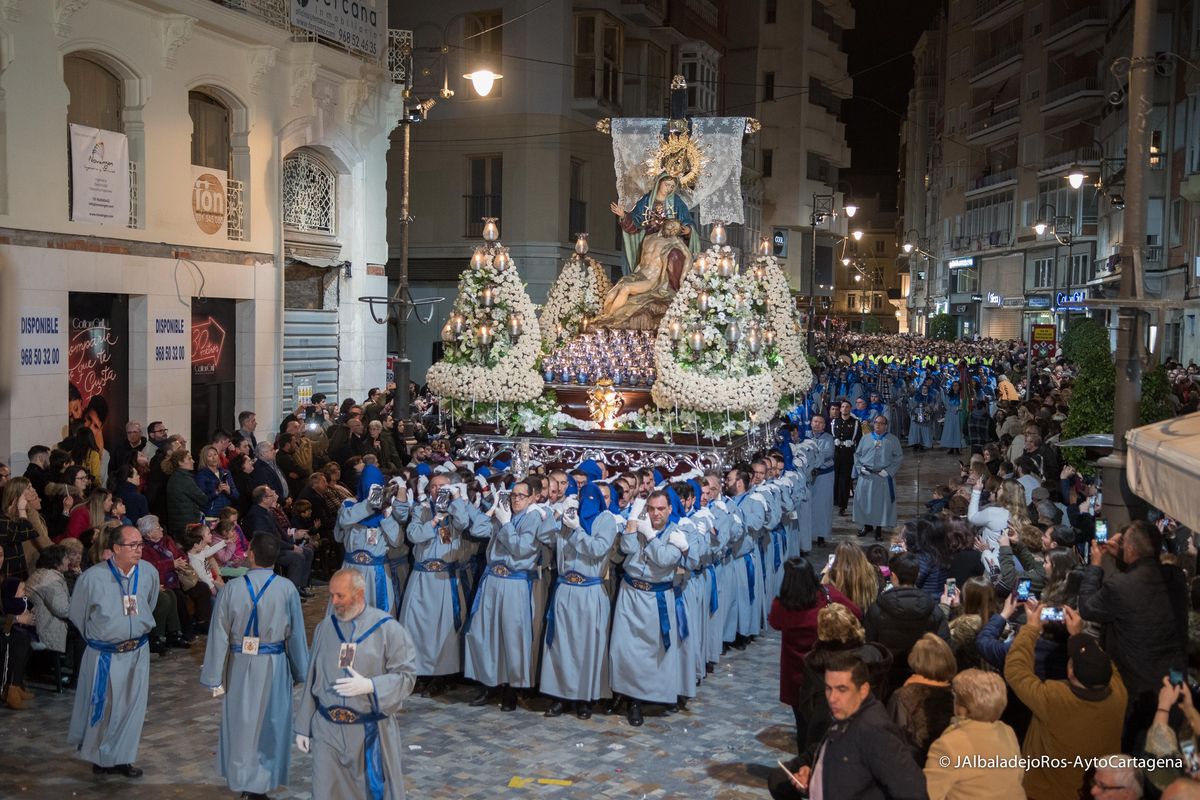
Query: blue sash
436	565
660	590
680	612
776	535
106	650
749	559
571	578
264	649
499	570
252	623
363	558
713	605
341	715
825	471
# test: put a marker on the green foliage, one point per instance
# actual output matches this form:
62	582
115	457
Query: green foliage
1091	409
1155	404
942	328
871	325
1086	339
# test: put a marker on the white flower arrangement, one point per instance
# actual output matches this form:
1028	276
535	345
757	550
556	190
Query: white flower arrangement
793	375
505	372
578	292
720	376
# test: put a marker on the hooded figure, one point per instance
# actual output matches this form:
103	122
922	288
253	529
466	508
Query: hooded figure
367	533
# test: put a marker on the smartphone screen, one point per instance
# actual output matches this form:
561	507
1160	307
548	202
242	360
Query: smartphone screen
1191	762
1023	590
1176	677
951	585
1052	614
829	563
1101	531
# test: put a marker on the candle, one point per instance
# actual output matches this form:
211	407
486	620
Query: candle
726	266
717	234
701	263
447	333
732	333
456	323
479	259
516	325
501	260
487	298
703	302
581	243
752	343
484	335
491	231
696	340
769	337
675	330
764	246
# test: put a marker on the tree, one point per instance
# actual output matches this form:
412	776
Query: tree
942	328
870	325
1085	338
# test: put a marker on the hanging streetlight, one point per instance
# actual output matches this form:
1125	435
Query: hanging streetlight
1076	176
857	236
483	80
850	209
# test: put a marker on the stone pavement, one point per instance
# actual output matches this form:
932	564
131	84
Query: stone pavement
721	747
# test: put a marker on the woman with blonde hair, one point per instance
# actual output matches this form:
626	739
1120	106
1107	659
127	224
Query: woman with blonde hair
853	575
1008	507
17	508
923	706
979	700
88	517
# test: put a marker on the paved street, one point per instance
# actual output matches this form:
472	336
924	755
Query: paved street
720	748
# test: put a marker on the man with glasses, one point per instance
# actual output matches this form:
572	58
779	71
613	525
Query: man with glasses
126	450
113	607
645	647
158	434
499	636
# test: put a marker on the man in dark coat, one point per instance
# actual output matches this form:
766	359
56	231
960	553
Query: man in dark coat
902	616
847	432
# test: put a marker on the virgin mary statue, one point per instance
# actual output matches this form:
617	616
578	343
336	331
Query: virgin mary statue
660	240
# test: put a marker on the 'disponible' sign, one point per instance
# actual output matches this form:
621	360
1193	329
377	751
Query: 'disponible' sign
41	339
169	335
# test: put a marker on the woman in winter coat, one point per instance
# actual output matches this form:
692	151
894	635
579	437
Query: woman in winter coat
185	501
215	481
794	612
923	706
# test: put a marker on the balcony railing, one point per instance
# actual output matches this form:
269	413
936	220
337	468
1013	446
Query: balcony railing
1091	13
234	211
133	195
985	7
477	207
984	181
1005	54
1078	86
994	120
1154	253
704	9
275	12
1080	155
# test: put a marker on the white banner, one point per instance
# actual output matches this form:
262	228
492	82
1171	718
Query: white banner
169	335
99	176
210	202
355	24
41	338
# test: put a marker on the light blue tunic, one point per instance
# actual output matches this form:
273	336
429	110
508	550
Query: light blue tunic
575	662
718	566
731	581
952	438
691	580
367	551
821	496
642	668
98	613
498	647
254	746
435	590
748	571
875	495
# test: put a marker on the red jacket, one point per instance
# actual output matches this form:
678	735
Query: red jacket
162	555
799	630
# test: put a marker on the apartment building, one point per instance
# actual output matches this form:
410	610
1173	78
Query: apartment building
868	290
528	152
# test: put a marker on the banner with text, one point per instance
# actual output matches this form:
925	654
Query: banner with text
40	340
98	366
213	333
209	201
99	176
355	24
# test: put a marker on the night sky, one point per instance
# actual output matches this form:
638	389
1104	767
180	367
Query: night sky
880	50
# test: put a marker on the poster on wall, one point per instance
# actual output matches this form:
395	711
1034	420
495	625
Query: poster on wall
98	366
99	176
355	24
213	328
209	201
40	339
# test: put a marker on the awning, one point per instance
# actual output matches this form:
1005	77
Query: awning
1164	466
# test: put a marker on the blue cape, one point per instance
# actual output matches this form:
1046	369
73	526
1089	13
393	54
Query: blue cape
424	469
677	512
591	469
591	504
371	476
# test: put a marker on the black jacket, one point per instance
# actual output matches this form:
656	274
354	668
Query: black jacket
262	520
1143	613
897	620
866	757
38	477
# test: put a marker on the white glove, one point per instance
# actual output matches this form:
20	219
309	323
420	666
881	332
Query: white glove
443	468
422	482
719	503
883	473
679	539
468	464
501	514
570	503
303	743
483	483
570	519
460	490
646	528
218	691
354	685
693	473
635	509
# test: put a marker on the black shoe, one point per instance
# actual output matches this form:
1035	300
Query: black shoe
255	796
724	648
128	770
509	701
307	593
820	541
635	713
878	534
681	704
842	512
866	531
739	643
481	698
583	709
158	646
710	667
555	710
612	704
671	708
435	687
178	642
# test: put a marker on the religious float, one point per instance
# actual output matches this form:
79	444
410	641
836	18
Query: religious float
683	363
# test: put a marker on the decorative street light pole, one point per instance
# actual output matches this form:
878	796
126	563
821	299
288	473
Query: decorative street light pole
823	208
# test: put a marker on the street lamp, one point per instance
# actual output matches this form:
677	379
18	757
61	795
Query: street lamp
1076	176
483	80
914	242
823	207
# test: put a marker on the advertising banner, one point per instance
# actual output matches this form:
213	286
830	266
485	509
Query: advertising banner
209	201
213	329
355	24
1042	338
99	176
98	366
41	336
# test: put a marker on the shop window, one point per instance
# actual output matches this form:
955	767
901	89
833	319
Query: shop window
309	194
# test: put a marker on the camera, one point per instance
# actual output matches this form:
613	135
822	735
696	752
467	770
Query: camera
441	502
1101	531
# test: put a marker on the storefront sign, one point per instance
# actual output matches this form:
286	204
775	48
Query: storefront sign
994	299
355	24
966	262
169	337
1042	340
1013	302
779	243
209	201
1037	302
390	372
40	342
99	176
1074	297
303	385
961	308
212	340
976	298
98	365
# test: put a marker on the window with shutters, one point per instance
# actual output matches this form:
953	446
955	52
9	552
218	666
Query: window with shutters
483	44
210	131
768	162
309	194
768	86
599	53
485	191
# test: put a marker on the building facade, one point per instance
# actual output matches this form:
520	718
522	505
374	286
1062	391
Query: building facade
529	153
161	271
